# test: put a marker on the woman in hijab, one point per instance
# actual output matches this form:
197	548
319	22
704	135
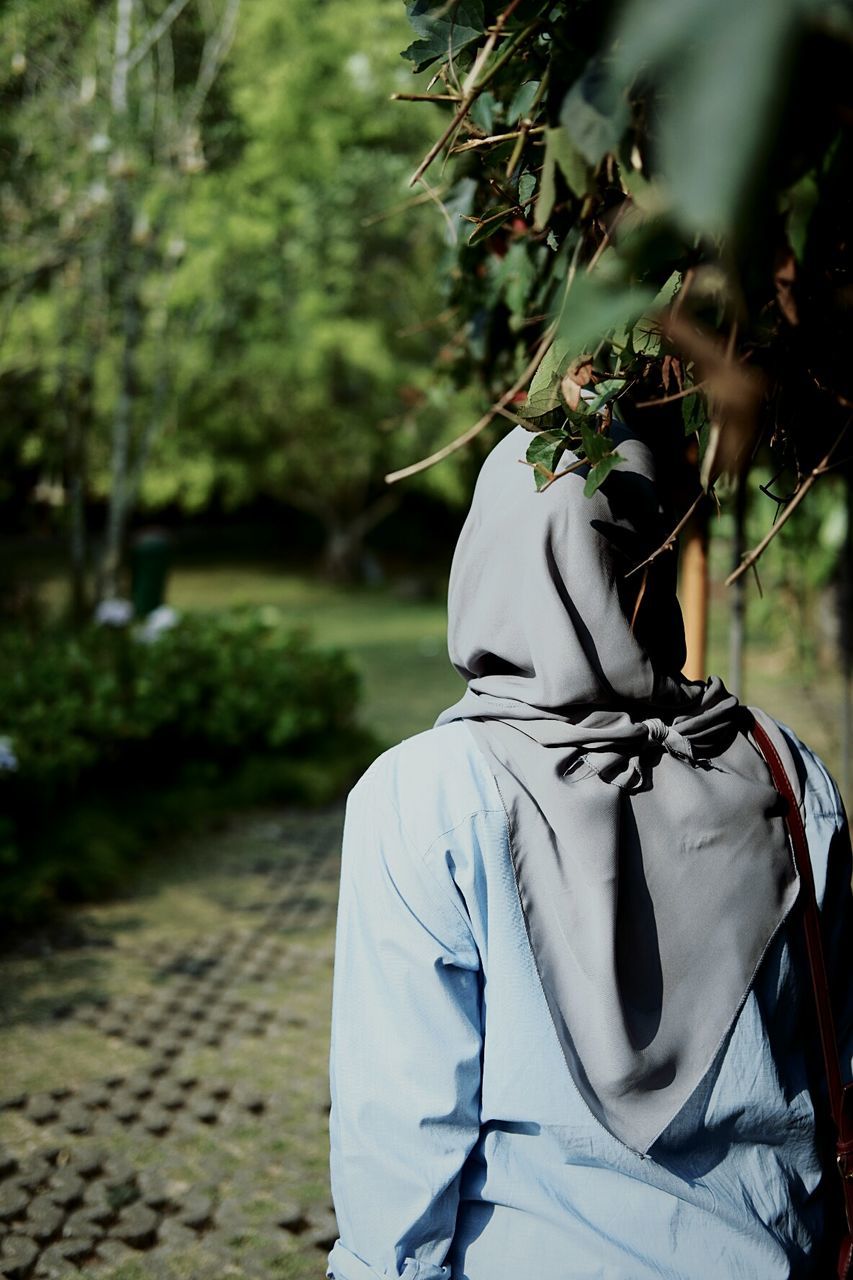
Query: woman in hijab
571	1034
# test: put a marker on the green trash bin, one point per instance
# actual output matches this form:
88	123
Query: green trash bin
150	559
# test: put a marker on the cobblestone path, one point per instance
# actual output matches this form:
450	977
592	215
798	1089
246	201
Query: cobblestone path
164	1094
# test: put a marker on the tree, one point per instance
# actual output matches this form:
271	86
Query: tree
658	202
306	300
109	108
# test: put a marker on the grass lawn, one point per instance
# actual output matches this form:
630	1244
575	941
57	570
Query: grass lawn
400	648
399	645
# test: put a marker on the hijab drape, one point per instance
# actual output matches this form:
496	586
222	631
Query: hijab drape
647	839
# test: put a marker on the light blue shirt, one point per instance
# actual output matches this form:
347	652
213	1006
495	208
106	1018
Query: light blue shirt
460	1146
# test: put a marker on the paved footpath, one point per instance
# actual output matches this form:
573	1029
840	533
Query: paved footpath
164	1095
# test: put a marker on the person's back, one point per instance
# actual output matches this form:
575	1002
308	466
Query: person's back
551	1053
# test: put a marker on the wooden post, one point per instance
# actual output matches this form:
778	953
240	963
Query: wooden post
693	589
737	614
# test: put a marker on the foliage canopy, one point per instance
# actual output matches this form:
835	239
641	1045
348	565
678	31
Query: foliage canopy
657	202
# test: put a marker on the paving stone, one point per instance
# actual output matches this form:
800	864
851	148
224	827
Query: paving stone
291	1217
113	1252
159	1067
253	1102
120	1169
99	1210
140	1087
174	1235
83	1223
53	1265
13	1201
33	1171
18	1256
125	1108
66	1189
42	1108
156	1120
187	1081
153	1190
114	1080
206	1111
170	1097
94	1095
75	1120
86	1163
137	1226
14	1101
197	1211
44	1218
76	1248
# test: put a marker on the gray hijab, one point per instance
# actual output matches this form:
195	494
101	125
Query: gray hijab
647	840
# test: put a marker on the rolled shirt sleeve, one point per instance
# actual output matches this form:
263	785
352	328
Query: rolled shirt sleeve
406	1044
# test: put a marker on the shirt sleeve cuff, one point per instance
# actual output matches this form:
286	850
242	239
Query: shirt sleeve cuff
344	1265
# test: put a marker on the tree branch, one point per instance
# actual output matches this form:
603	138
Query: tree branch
160	27
495	138
474	92
481	423
755	554
669	542
215	51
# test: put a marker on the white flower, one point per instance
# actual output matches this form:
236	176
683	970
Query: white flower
8	759
159	620
114	613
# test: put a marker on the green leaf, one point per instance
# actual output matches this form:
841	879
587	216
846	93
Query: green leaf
545	450
799	205
544	393
594	113
483	111
694	414
605	391
510	278
593	308
599	473
596	447
522	101
571	162
547	189
558	151
526	186
444	28
718	70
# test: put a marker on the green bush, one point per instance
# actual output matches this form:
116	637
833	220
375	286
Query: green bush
111	736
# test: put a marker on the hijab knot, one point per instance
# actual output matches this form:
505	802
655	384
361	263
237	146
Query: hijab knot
670	739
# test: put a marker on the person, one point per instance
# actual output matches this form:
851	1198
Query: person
572	1036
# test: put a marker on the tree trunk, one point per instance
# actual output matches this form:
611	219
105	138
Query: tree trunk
345	558
131	332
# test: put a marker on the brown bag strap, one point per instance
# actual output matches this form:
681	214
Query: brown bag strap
840	1095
